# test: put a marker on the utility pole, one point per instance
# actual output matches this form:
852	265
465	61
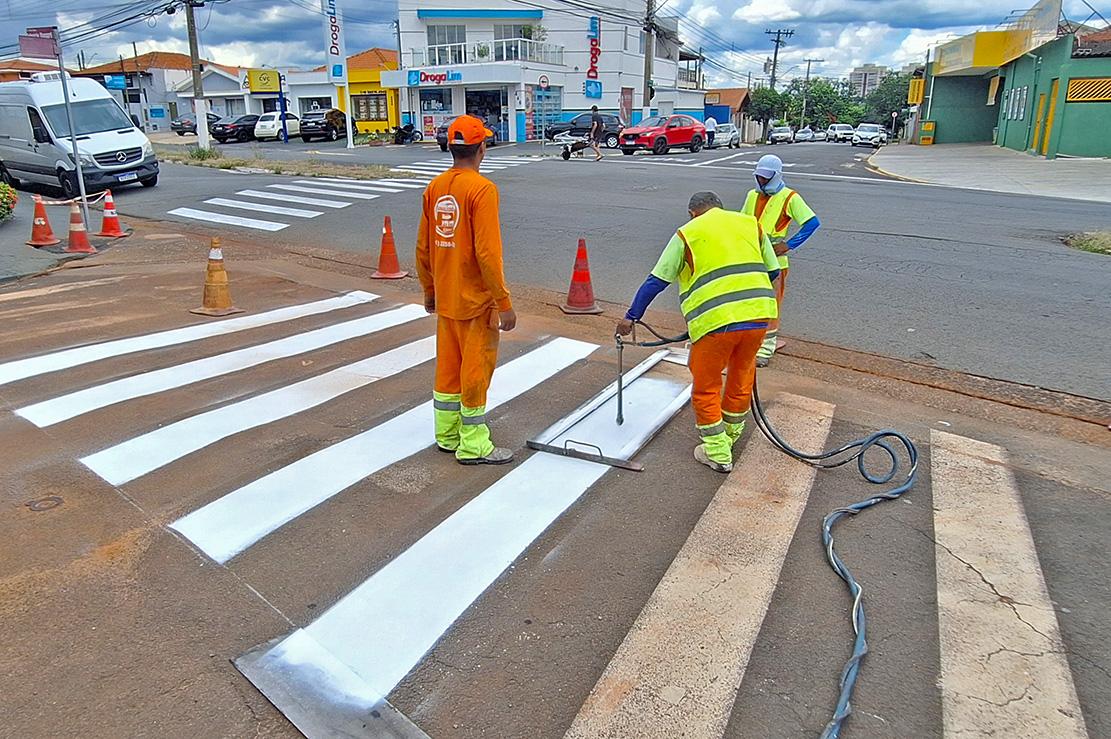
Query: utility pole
649	51
144	100
404	95
200	105
780	36
806	89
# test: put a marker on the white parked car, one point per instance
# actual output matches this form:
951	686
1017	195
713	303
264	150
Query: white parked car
804	134
839	132
781	135
728	136
819	135
870	134
269	126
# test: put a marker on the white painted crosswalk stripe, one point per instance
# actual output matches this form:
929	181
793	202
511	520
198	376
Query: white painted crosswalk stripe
359	185
71	405
695	635
421	170
281	197
324	191
144	454
1003	665
412	183
20	369
236	521
227	220
264	208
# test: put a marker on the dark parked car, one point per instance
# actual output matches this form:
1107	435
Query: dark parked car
441	137
580	126
188	123
323	124
234	127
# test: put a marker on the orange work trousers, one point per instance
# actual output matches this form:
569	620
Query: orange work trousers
735	350
466	353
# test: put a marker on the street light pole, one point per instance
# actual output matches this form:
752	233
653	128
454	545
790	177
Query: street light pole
200	105
649	51
806	89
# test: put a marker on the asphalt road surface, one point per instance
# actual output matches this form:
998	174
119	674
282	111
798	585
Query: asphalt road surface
972	281
174	502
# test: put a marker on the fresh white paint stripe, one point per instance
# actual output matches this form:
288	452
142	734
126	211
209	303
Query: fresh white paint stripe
408	605
209	216
323	191
20	369
144	454
281	197
720	159
234	522
358	185
1003	665
679	668
74	404
428	171
263	208
407	184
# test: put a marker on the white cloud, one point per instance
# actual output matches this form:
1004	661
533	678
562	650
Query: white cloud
762	11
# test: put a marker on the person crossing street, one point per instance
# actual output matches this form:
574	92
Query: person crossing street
725	266
711	131
459	263
776	206
597	132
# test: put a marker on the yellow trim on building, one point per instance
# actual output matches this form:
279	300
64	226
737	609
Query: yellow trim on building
1089	90
369	82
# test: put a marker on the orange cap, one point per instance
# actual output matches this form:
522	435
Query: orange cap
467	129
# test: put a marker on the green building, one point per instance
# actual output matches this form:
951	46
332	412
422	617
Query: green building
1052	99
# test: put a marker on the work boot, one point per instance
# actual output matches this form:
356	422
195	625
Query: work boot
498	456
763	361
700	455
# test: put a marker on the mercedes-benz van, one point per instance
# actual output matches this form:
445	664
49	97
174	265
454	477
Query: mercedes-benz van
35	144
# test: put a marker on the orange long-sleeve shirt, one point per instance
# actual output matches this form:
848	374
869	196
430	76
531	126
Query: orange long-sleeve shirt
459	249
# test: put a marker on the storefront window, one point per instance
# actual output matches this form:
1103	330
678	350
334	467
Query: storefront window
371	107
322	103
435	101
513	30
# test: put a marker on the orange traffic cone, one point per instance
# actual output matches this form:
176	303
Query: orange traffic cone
110	226
78	236
41	233
388	267
580	296
217	295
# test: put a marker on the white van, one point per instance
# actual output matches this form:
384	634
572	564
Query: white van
35	144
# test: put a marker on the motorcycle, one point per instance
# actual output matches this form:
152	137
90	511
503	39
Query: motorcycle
407	134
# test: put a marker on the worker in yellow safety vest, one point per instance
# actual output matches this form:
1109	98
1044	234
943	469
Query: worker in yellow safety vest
725	265
775	206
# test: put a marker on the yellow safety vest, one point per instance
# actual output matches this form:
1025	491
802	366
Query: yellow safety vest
724	279
773	216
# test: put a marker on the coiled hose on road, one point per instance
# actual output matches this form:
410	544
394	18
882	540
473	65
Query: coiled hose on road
852	451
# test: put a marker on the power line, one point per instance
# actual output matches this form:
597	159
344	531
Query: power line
780	35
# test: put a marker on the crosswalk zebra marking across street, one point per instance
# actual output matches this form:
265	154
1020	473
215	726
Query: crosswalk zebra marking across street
330	193
683	654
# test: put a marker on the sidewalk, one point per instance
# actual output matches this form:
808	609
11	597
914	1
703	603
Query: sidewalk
992	168
16	258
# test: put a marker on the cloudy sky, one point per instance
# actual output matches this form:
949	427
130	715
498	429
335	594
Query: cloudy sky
844	33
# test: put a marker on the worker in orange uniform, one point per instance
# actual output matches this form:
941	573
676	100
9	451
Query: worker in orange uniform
724	264
459	262
775	205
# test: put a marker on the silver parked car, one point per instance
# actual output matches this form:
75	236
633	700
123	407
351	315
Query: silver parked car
781	135
727	135
804	134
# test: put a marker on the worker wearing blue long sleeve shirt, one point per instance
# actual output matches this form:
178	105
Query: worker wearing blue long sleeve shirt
776	206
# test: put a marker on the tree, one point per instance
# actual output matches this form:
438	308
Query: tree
889	97
765	104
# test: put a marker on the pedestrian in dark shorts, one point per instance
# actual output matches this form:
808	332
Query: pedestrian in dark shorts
597	130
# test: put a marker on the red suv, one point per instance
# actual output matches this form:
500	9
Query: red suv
660	133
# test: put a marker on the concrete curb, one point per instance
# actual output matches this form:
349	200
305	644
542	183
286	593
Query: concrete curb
879	170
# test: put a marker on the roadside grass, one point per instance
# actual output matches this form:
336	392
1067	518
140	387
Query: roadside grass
1097	242
215	159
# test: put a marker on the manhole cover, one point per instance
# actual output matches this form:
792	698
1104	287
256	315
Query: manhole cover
45	504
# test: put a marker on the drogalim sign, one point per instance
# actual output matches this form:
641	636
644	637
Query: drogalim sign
336	53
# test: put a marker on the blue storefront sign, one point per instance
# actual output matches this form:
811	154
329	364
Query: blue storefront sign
592	89
115	81
157	112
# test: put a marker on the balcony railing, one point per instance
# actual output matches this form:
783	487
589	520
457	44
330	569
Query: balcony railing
480	52
688	79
